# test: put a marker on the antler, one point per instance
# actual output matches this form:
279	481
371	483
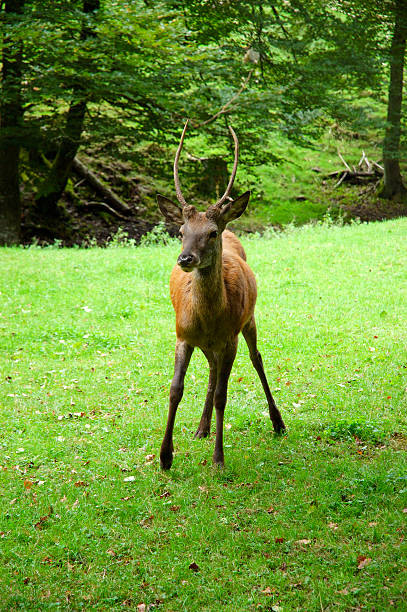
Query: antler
232	177
219	203
180	197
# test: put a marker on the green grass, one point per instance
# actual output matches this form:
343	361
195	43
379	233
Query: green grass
314	520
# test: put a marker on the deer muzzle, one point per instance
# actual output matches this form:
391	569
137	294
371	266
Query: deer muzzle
187	261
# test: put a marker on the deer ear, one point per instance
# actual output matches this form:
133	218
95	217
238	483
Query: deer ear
234	209
172	212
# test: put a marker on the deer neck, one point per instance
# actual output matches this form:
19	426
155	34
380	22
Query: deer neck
208	286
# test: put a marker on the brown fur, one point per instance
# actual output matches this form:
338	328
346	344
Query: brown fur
208	314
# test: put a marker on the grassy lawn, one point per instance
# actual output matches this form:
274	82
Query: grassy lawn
315	520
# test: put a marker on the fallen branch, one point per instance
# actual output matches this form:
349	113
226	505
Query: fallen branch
107	194
104	207
365	172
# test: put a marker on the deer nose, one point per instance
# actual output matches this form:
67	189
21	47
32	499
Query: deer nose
185	260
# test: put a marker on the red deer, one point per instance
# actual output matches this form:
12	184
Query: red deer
213	292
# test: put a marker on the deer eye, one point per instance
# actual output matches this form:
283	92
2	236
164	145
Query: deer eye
213	234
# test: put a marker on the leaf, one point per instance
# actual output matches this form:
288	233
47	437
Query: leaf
267	591
146	522
175	508
141	607
194	567
333	526
39	524
28	484
303	542
80	483
129	479
363	561
279	540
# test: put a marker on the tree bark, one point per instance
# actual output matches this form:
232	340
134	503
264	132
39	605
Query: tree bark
393	182
54	185
11	116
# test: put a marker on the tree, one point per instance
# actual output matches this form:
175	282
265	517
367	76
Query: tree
55	182
393	184
11	116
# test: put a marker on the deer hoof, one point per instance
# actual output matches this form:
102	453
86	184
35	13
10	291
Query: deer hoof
279	428
201	433
218	460
165	461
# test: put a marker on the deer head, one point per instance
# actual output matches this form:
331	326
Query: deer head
201	231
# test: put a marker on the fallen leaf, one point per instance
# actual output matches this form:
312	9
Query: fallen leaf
38	524
194	567
26	580
279	540
150	457
333	526
303	542
267	591
270	510
129	479
146	522
28	484
175	508
363	561
81	483
141	607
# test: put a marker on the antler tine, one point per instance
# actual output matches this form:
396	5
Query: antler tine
232	177
180	197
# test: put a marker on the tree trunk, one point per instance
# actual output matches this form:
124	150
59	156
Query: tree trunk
54	185
393	183
11	115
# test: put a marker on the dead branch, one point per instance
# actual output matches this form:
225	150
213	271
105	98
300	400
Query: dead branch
225	107
364	172
105	207
107	194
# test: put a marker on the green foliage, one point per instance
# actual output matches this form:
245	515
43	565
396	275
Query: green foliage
348	429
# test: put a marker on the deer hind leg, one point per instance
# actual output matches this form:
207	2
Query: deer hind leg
225	364
250	335
183	354
205	422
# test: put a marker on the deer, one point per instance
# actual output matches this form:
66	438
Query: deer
213	292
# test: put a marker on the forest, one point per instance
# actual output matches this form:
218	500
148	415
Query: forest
94	95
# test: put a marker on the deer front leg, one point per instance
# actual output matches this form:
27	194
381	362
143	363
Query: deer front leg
205	423
250	335
183	354
224	368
